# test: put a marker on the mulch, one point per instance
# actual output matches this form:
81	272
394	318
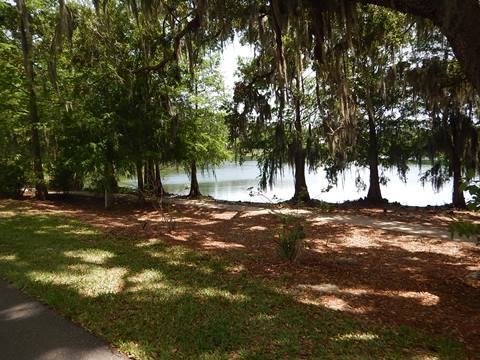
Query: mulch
380	276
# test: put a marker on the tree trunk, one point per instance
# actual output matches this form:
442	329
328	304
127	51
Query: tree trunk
109	183
140	187
458	199
145	176
139	176
159	190
26	38
457	148
194	188
301	190
149	175
374	193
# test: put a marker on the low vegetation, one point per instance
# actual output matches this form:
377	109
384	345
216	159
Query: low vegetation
291	240
154	301
330	87
467	229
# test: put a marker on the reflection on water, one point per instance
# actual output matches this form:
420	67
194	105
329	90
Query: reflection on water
232	181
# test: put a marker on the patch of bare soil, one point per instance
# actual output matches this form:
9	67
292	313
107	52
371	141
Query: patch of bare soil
383	277
425	216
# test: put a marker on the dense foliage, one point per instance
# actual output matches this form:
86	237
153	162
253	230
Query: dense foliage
92	93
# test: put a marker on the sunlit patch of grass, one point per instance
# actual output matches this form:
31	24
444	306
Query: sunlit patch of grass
149	242
40	232
12	206
147	279
358	336
235	269
90	281
94	256
5	213
178	256
218	293
82	232
170	302
265	317
65	226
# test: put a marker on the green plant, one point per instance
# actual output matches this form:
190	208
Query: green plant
166	209
13	179
291	240
474	190
472	186
124	290
465	228
288	219
324	206
64	177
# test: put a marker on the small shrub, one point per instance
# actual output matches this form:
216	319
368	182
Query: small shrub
291	241
465	228
324	206
65	178
474	191
473	188
166	209
168	216
13	179
288	219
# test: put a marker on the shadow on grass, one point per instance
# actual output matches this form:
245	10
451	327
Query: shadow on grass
151	300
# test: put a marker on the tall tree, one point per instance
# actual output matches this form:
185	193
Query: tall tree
274	108
452	107
379	61
15	167
202	134
27	47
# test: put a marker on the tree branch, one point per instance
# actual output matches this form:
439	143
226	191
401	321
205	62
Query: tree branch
191	26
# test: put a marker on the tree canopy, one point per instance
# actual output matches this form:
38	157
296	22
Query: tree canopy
125	88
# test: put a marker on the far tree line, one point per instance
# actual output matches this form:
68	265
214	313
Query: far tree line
92	93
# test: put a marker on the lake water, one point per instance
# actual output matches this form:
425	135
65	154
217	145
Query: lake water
232	182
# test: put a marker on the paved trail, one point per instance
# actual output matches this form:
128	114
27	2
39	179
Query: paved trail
31	331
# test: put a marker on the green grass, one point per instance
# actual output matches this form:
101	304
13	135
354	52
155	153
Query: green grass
152	301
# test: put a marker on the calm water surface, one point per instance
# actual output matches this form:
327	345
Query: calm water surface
232	181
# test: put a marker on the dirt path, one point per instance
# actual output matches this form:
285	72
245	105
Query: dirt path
389	225
409	228
381	223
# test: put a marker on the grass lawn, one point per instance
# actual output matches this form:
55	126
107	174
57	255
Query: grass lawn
154	301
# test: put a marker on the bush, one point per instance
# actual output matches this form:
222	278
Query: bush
291	241
324	206
466	229
13	179
64	178
474	190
